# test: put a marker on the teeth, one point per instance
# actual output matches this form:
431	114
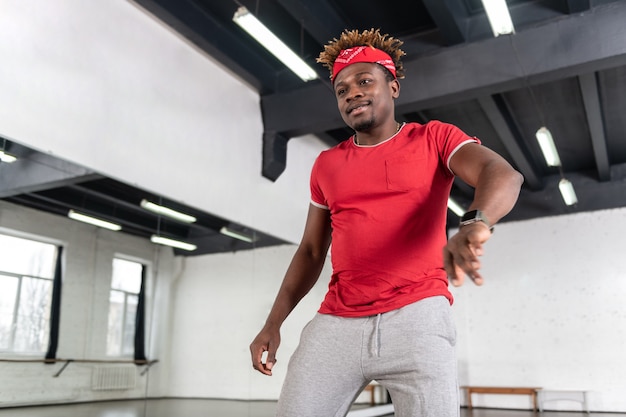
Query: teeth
356	108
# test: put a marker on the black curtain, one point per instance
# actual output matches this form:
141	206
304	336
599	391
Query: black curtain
55	312
140	326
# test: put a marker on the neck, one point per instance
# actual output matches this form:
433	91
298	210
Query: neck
373	137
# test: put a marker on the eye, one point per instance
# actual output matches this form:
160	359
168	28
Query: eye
340	91
365	81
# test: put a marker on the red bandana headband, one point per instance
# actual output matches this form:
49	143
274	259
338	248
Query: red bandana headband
362	54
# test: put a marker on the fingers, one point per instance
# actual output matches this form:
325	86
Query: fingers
257	358
270	361
458	277
263	355
459	263
461	256
454	272
265	367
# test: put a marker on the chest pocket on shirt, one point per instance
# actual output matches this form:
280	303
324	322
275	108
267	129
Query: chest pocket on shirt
405	173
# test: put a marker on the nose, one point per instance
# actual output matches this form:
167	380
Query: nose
353	93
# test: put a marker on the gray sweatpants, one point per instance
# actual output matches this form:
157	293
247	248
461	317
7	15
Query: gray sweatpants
410	351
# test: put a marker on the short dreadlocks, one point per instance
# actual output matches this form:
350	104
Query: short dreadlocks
372	37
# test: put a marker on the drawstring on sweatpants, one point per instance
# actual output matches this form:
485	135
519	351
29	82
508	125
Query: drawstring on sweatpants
376	337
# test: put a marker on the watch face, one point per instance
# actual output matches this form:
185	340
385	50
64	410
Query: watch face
471	215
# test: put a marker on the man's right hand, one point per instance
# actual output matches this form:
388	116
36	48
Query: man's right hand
462	252
268	341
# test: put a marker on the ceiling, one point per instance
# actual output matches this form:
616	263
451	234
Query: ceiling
564	68
47	183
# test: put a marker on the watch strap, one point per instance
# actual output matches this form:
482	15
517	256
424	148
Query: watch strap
474	216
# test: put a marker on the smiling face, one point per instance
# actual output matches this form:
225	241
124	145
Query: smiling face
365	96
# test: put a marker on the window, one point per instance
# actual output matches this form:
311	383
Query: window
123	307
26	282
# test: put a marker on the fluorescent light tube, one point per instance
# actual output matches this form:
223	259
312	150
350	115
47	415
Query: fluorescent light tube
548	148
499	17
93	220
173	243
248	22
455	207
165	211
8	158
236	235
567	191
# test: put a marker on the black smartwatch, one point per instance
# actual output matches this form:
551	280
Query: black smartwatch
474	216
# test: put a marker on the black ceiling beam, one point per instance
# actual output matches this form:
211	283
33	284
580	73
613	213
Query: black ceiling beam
501	120
524	14
114	201
40	172
592	195
274	155
318	17
574	45
465	190
208	33
591	99
60	206
139	212
327	139
451	18
457	24
207	243
577	6
27	200
310	109
220	243
96	205
416	116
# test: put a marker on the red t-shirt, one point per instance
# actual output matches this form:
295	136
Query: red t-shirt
388	206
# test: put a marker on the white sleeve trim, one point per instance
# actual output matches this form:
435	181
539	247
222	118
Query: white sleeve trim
455	151
318	205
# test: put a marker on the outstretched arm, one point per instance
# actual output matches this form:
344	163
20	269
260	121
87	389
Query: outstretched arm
497	186
302	274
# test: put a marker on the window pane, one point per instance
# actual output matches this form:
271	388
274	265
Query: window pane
116	322
27	257
126	276
8	297
33	317
125	287
128	347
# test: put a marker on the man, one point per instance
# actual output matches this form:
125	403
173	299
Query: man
382	196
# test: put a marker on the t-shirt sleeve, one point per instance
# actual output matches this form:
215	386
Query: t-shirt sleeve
317	196
449	140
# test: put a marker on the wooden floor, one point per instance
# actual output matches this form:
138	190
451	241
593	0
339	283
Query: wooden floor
222	408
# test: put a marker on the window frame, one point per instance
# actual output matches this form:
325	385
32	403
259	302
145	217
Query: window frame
59	258
138	347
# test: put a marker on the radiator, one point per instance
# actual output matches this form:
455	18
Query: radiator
108	378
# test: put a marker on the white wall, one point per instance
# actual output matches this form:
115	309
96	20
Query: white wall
549	315
222	302
107	86
551	312
87	269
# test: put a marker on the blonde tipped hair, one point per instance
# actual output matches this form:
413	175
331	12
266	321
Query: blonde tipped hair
353	38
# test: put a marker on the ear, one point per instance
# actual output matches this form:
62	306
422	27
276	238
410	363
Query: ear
395	88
